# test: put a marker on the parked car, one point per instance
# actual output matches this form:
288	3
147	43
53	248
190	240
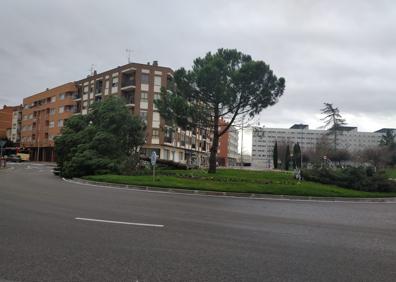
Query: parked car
13	158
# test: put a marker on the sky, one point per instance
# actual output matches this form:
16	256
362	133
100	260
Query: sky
340	52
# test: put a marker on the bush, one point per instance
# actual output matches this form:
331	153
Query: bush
361	178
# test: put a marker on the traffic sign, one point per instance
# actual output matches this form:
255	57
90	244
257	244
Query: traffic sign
153	158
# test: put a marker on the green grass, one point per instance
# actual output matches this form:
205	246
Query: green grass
232	180
391	172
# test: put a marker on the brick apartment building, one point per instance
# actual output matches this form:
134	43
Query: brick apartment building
6	121
228	146
43	116
140	85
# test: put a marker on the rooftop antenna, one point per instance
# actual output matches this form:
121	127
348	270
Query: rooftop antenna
92	69
129	51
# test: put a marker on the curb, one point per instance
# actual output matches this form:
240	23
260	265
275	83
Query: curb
234	194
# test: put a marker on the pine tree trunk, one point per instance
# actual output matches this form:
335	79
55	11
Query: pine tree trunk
213	154
215	145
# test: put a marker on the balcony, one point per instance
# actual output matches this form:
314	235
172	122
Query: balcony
98	87
76	96
128	81
129	97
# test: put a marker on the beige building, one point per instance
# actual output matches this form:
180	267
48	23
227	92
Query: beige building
15	134
349	138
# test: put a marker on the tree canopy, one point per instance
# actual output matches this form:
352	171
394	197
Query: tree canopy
224	84
107	139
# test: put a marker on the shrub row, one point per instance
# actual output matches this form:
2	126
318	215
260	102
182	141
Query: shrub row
360	178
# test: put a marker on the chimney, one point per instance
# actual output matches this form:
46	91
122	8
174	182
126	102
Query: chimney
155	63
95	72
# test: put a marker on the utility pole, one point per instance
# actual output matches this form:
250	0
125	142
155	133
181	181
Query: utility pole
242	144
38	135
301	158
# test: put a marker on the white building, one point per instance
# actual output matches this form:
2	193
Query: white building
349	138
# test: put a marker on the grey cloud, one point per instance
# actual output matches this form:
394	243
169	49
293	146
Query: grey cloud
335	51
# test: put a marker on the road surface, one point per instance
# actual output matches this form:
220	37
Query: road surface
52	230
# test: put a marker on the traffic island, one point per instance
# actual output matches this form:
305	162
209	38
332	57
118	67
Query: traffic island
235	182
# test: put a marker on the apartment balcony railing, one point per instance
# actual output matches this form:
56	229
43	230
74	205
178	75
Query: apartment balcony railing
127	83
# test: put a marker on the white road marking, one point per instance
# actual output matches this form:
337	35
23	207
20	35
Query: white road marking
119	222
131	189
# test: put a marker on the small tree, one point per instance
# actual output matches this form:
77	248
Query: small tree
388	139
377	156
333	121
297	155
275	155
287	158
389	144
226	84
106	140
341	155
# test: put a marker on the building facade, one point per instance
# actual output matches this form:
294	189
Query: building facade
16	125
228	146
6	121
263	140
140	85
43	116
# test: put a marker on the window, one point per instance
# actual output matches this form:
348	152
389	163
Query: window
157	80
155	133
144	79
143	116
52	111
61	109
114	82
156	97
60	123
144	97
166	154
62	96
53	99
168	135
51	124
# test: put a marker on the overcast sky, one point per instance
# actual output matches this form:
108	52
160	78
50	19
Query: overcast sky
342	52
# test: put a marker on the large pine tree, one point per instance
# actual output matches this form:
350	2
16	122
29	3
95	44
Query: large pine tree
226	84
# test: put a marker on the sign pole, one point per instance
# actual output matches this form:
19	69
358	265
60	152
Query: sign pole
153	160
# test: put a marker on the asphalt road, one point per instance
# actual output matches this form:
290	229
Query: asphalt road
202	238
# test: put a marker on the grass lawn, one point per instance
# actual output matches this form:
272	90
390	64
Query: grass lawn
233	180
391	172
